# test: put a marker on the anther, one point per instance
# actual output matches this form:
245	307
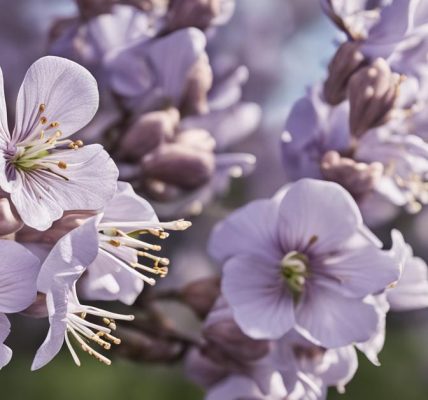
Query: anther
54	124
43	120
110	323
42	107
114	242
62	165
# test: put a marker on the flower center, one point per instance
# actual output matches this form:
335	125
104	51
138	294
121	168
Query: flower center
294	270
35	152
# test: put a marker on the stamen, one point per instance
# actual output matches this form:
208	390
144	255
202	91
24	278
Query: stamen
110	323
89	349
62	165
70	347
43	120
42	107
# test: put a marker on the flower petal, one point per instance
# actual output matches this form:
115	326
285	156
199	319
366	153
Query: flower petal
68	92
360	272
317	212
126	206
57	301
4	129
41	196
5	352
106	279
261	303
249	230
331	320
69	257
18	274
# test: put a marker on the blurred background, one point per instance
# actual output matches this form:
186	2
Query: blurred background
286	44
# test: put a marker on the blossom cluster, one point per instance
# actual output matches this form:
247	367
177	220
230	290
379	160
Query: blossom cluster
135	117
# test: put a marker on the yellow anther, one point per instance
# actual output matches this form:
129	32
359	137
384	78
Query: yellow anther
54	124
43	120
110	323
62	165
78	143
114	242
110	337
42	107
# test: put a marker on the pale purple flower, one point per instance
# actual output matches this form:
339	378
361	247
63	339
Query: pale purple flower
404	181
381	27
230	365
44	172
60	271
151	73
88	42
18	275
313	128
303	261
122	264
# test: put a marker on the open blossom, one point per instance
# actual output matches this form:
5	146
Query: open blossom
64	265
18	274
122	264
303	260
44	172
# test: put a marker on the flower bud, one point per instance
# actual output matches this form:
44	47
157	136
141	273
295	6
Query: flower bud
347	60
201	295
179	165
141	346
196	13
199	82
199	139
148	132
227	343
372	93
357	177
10	222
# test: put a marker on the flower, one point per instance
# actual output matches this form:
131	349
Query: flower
118	272
45	173
59	273
18	274
231	365
303	260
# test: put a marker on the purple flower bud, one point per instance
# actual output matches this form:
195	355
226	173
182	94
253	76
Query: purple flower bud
201	295
347	60
147	133
358	178
199	82
227	343
372	92
179	165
